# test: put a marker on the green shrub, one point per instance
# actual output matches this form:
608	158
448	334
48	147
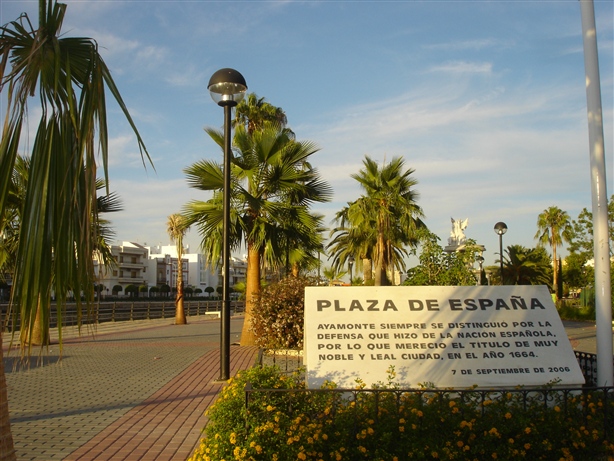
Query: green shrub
399	425
572	310
278	314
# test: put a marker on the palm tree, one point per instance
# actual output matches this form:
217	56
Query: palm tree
271	181
332	274
390	208
9	238
175	226
525	266
553	228
353	237
253	112
71	81
101	231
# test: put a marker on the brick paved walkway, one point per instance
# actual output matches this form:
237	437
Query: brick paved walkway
134	393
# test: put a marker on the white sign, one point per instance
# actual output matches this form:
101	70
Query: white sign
450	337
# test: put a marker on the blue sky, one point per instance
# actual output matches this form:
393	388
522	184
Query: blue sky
484	99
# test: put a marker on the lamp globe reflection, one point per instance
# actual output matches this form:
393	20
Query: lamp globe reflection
227	87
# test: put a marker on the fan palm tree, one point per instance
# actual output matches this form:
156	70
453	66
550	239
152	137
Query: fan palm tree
553	228
253	112
71	81
389	206
332	274
356	239
271	183
526	266
176	229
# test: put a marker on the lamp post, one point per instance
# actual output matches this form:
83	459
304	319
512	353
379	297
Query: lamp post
500	229
350	265
227	88
480	260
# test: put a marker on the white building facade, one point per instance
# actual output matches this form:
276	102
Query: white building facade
158	265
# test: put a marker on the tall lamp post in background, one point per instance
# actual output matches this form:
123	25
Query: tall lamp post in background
500	229
480	260
350	265
227	88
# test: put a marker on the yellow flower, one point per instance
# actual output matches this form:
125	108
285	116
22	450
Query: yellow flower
269	408
324	437
302	455
420	414
557	409
233	438
401	428
401	421
460	443
258	449
494	456
527	430
527	446
508	415
510	440
452	403
434	454
362	449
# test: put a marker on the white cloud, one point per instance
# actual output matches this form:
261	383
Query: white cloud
463	67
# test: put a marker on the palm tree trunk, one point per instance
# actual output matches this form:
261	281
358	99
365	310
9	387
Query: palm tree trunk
555	271
179	311
7	451
380	262
367	270
38	335
252	288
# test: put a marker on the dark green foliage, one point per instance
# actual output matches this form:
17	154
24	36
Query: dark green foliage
278	316
440	268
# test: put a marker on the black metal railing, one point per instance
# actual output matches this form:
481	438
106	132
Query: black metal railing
118	311
588	365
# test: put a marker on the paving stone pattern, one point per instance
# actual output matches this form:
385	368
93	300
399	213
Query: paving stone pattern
59	405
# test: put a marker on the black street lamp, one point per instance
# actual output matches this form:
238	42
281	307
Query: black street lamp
350	265
480	261
500	229
227	88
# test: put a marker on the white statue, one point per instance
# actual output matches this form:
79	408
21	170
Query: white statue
457	236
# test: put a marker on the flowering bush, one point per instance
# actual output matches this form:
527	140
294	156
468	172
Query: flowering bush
391	424
278	314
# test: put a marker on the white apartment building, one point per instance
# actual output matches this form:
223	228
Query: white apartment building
158	265
196	272
132	266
